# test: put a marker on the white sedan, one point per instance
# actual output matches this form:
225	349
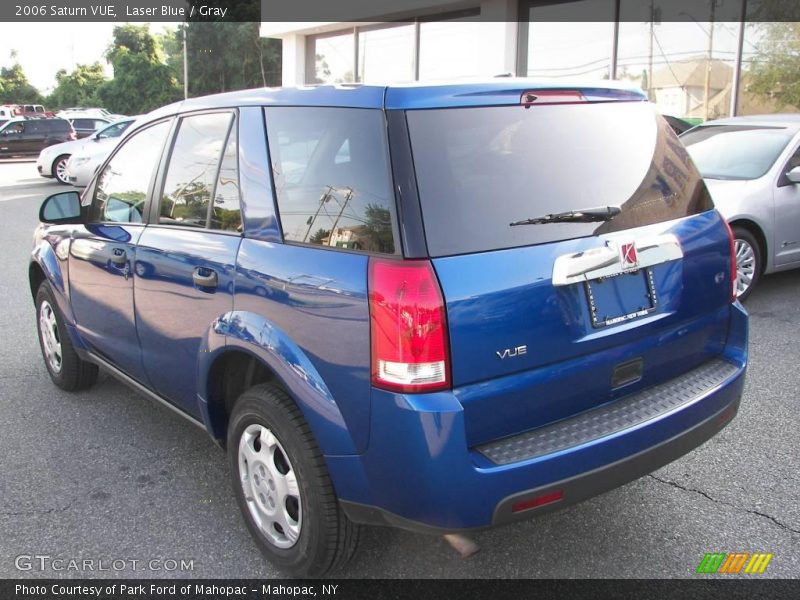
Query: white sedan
52	161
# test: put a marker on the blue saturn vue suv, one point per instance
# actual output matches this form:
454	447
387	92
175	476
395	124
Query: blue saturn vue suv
435	307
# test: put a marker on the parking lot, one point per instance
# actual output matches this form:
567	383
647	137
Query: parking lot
106	474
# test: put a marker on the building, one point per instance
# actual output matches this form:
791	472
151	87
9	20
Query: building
664	46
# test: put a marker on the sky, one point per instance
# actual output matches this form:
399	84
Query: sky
44	48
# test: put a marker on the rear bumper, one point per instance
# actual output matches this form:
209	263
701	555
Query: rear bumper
419	473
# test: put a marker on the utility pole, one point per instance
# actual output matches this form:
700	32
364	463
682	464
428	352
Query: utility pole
185	66
707	90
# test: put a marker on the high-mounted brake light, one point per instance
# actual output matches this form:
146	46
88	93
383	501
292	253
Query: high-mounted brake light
408	327
551	97
731	239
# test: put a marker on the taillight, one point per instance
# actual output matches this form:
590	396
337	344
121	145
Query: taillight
408	327
731	239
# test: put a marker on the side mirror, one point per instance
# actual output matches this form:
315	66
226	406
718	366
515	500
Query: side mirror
61	208
794	175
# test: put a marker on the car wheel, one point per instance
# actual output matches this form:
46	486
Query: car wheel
60	168
283	487
748	262
67	370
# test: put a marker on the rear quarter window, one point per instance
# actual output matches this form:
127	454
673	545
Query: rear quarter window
332	179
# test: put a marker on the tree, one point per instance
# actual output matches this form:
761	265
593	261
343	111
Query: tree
223	56
775	70
15	88
78	88
142	80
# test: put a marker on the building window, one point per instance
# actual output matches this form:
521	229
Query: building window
386	53
330	58
560	46
461	47
770	78
445	46
685	67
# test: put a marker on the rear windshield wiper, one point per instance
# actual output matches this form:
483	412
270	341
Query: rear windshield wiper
586	215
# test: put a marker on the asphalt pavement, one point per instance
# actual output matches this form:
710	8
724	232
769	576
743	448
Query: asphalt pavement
106	475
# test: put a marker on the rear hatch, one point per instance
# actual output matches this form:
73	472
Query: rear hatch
551	318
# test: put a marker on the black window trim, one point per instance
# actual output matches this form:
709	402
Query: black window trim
154	209
153	178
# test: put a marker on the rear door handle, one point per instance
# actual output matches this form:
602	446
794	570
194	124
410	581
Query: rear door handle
119	257
207	281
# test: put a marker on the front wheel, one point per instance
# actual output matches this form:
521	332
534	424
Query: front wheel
748	262
67	370
283	487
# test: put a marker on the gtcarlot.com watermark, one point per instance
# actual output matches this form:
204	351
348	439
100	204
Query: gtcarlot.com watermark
58	564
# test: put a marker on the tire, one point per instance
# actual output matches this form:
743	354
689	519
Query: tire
67	370
58	169
748	262
270	446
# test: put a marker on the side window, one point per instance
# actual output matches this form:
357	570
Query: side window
332	178
193	169
113	130
226	214
122	186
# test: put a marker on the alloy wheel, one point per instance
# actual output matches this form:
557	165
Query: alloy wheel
745	266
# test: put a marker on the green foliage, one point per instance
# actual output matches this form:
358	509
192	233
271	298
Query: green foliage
78	88
142	80
319	236
223	56
775	71
15	88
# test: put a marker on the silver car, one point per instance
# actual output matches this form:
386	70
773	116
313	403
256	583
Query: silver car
752	168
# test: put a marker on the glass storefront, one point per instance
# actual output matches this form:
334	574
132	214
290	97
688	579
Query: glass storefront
686	59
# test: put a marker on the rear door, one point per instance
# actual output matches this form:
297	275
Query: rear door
102	253
557	316
35	135
185	259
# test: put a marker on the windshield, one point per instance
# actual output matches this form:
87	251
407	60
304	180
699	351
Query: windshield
735	151
480	169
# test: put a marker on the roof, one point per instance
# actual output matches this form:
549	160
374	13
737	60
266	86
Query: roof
788	120
496	91
692	73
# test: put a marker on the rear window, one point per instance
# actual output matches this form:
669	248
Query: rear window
59	125
480	169
735	151
332	177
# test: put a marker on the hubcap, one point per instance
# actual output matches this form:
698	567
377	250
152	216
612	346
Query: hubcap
270	486
51	341
61	170
745	266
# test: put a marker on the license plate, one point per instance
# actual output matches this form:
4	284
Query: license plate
620	298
